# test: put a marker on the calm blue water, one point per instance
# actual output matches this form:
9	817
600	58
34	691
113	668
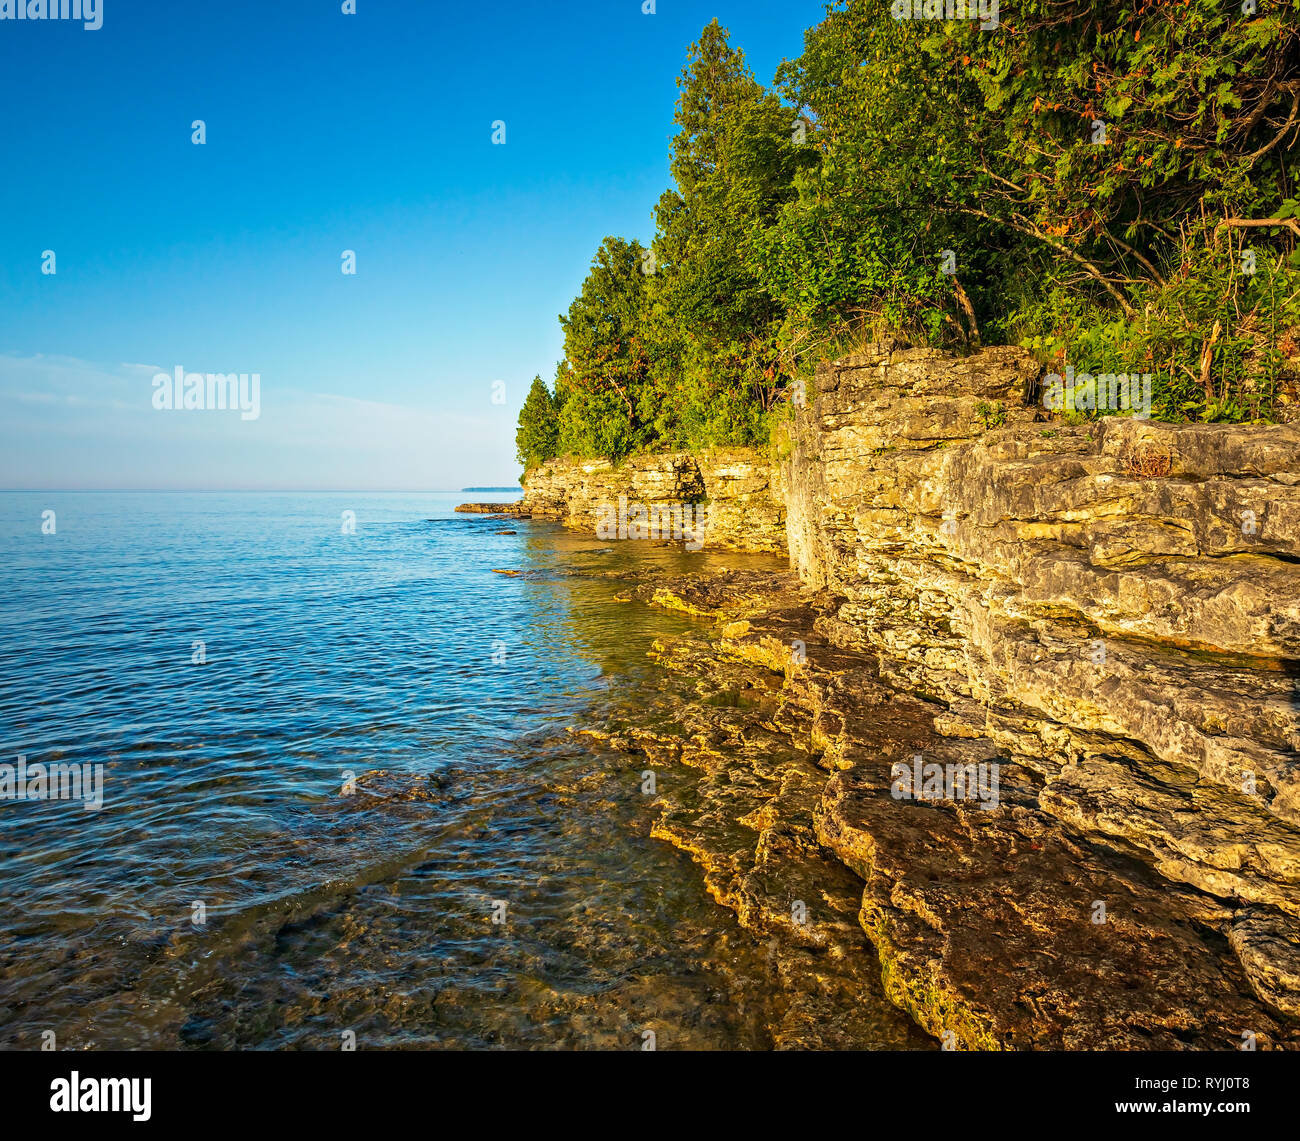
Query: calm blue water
395	655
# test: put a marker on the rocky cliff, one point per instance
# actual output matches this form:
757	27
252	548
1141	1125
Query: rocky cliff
1097	624
734	487
1112	610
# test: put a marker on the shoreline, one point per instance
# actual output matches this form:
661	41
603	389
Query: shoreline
1095	623
977	924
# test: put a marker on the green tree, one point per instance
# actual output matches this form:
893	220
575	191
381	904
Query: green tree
710	320
606	361
1083	180
1089	165
538	436
1081	137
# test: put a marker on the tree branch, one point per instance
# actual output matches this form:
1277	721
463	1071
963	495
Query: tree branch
1026	227
1244	223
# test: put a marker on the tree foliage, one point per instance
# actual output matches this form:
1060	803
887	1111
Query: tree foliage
1089	179
538	437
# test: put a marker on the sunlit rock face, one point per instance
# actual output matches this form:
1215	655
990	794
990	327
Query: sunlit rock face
740	507
996	923
1113	607
1107	616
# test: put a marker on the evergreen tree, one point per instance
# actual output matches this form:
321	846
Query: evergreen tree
538	436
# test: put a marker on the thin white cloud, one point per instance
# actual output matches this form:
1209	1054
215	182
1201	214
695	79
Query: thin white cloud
69	422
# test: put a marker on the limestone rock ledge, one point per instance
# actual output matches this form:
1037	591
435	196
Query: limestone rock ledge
1112	608
745	509
1109	612
516	509
1000	929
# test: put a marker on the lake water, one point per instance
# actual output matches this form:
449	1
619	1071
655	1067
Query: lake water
235	663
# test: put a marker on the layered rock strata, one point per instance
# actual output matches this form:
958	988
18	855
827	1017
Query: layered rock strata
1104	614
1112	606
1005	928
742	507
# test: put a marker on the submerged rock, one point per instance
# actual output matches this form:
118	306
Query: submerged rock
517	510
1106	615
996	928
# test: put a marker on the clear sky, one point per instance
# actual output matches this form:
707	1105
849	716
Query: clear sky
325	132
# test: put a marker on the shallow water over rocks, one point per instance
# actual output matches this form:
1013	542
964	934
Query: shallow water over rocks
492	880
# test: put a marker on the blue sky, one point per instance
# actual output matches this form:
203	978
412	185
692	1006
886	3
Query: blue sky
325	132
